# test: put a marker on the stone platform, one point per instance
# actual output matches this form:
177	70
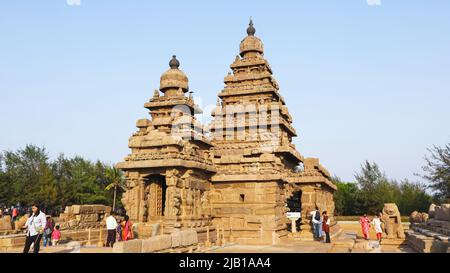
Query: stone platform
430	237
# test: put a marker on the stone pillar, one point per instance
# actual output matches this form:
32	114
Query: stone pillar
140	189
308	203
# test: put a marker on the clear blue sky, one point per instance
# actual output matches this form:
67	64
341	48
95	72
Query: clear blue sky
361	81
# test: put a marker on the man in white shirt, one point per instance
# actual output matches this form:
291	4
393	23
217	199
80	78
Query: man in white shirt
35	226
111	225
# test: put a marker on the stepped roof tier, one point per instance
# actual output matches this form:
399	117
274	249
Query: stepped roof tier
251	119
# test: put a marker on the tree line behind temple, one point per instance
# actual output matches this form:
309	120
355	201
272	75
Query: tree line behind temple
28	176
372	188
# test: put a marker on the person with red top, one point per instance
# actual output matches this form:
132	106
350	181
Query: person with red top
15	213
127	229
56	235
326	226
365	225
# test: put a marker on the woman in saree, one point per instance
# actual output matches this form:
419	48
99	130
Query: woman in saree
127	229
365	226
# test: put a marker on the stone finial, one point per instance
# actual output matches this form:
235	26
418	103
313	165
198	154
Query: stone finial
251	30
190	95
174	63
156	93
218	102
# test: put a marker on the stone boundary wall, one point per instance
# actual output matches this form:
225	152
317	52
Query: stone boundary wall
84	237
181	241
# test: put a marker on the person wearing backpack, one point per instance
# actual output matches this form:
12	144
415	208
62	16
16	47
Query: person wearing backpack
317	223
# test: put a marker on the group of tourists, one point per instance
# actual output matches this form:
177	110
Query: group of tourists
118	230
40	226
365	223
321	226
12	211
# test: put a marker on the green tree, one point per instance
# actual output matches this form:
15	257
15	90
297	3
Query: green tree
27	175
116	181
374	188
437	170
345	197
413	196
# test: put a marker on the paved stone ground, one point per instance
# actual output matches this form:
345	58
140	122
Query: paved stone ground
349	241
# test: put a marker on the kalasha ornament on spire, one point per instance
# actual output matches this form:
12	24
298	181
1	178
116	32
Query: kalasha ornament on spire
251	43
174	63
173	78
251	30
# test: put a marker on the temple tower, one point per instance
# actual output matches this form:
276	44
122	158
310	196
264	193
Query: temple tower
169	168
252	151
258	167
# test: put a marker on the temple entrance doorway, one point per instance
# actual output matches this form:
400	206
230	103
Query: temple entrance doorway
155	197
294	204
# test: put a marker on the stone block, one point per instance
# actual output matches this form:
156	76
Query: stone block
132	246
443	212
76	209
5	223
93	217
184	238
176	238
189	237
86	209
156	243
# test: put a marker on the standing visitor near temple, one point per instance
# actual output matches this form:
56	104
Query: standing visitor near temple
376	222
56	235
111	225
48	231
127	229
317	223
15	213
365	225
326	226
119	231
35	227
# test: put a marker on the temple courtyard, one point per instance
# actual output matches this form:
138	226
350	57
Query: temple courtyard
348	241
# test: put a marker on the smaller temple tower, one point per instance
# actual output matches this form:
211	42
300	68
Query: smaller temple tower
169	168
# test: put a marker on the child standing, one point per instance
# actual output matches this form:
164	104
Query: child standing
376	222
56	235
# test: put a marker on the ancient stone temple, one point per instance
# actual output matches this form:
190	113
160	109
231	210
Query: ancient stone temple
242	174
169	169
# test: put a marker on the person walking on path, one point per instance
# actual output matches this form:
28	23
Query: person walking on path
326	226
365	225
35	227
48	231
317	223
376	222
111	226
